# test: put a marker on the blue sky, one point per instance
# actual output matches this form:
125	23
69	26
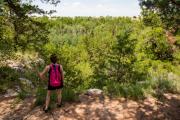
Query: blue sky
94	7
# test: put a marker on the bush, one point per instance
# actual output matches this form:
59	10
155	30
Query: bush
160	87
8	78
68	94
127	90
22	95
141	89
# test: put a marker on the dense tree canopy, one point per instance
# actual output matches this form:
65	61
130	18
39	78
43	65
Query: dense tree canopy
23	7
18	30
168	10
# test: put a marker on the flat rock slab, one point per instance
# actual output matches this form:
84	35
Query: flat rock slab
97	109
14	109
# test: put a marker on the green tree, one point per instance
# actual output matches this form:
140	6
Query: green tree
24	31
122	57
22	8
168	10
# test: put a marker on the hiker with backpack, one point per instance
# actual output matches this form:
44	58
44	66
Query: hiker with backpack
55	81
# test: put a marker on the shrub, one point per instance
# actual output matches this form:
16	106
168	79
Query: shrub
8	78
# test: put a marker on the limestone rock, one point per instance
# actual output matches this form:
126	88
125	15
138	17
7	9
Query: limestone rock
94	92
26	83
11	93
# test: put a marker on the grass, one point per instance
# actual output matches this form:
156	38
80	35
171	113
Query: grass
132	91
22	94
140	90
68	95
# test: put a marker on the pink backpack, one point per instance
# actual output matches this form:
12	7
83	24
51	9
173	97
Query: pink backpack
55	75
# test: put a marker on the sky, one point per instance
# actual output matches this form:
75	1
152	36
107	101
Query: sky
93	8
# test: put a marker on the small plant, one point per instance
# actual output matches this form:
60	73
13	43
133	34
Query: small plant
40	96
22	95
163	86
68	94
127	90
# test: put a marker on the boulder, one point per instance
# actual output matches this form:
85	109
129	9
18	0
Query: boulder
11	93
91	95
94	92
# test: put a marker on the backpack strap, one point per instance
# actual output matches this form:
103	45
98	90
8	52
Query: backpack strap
51	67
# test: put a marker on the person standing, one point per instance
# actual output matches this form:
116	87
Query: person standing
55	81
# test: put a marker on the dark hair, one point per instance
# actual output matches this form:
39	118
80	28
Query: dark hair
53	58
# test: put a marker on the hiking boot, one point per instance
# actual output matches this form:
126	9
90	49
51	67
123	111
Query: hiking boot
59	105
45	110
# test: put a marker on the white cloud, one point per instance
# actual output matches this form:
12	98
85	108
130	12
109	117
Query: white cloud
65	4
76	3
99	10
100	6
96	8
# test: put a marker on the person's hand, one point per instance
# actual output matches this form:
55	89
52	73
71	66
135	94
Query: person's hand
40	75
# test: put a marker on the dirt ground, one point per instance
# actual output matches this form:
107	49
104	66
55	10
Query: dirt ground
94	108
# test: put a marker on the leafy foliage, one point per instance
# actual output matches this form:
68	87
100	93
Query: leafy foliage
168	10
114	54
121	55
18	30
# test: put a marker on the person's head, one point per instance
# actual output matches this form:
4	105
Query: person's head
53	58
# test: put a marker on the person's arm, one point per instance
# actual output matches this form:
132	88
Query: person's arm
61	68
42	74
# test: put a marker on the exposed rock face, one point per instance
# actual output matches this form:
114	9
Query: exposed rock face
18	89
26	83
11	93
20	66
15	65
